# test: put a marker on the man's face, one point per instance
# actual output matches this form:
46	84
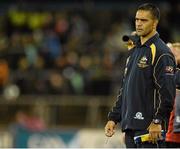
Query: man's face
144	22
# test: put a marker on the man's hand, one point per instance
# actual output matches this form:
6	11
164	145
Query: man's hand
155	132
110	128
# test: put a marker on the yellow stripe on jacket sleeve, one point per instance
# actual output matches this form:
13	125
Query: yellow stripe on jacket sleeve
153	51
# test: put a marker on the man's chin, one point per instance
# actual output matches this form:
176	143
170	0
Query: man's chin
139	34
142	34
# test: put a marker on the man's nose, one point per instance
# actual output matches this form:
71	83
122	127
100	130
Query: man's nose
139	23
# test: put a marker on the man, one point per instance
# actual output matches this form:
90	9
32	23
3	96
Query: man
173	134
148	89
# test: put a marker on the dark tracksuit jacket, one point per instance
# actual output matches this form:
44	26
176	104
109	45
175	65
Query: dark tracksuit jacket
148	87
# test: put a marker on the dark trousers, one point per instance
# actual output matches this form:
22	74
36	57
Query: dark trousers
172	145
130	143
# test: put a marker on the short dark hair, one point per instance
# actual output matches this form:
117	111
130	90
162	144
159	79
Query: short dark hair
152	8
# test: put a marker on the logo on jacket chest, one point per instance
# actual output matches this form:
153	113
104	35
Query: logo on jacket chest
139	116
142	63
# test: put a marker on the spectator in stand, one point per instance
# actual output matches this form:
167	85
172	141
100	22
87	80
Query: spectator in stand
27	120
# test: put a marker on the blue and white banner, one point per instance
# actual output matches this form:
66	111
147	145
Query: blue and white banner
83	138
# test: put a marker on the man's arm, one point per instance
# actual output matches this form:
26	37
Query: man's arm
115	113
114	117
164	80
164	72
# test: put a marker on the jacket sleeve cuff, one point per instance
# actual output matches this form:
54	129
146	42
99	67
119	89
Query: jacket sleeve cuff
158	117
109	119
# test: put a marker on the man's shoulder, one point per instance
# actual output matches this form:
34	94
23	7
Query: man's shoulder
161	47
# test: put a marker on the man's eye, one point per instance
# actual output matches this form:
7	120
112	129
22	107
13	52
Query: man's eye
144	20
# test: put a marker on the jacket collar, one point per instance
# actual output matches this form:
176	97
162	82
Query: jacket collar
149	41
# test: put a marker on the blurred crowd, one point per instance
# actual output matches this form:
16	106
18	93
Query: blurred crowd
70	51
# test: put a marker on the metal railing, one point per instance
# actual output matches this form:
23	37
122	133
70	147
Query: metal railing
65	111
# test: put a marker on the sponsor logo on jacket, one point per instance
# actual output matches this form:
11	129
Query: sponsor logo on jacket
143	62
139	116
